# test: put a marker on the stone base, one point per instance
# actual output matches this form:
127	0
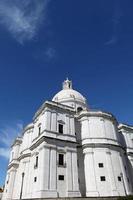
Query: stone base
73	194
74	198
46	194
92	194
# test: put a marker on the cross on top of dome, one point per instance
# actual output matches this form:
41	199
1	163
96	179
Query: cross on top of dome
67	84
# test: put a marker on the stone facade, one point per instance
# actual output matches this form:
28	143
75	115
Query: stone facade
70	150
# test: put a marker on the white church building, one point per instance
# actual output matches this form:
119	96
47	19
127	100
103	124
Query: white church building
69	150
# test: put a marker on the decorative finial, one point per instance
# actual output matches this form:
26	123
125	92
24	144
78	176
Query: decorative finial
67	84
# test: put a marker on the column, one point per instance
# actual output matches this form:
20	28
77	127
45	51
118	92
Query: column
44	169
90	176
53	173
72	126
67	129
54	122
48	119
123	175
11	183
75	175
111	175
69	171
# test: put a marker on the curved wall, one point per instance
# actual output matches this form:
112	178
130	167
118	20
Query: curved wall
101	145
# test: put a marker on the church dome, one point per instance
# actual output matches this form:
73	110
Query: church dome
70	97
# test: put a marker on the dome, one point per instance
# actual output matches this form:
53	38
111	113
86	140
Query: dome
70	97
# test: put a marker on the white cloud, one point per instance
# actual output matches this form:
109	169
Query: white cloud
22	18
4	152
50	53
8	133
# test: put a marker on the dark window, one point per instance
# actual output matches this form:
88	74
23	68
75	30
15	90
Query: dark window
100	165
79	109
61	159
39	130
61	177
35	179
36	164
102	178
23	175
119	178
77	163
60	128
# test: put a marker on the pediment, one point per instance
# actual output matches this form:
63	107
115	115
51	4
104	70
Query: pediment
61	122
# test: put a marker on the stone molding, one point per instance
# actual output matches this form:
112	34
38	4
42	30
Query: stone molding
92	113
17	141
125	127
52	104
14	163
99	145
24	156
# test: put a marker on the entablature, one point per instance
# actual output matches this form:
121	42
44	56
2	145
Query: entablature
54	105
93	113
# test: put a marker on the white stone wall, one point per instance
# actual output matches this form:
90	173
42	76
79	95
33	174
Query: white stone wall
101	143
88	138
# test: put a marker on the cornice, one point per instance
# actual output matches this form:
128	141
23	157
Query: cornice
99	138
43	138
55	105
24	156
125	127
17	141
14	163
99	145
29	126
92	113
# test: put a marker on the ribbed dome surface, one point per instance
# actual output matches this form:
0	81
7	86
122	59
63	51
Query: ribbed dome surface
67	94
70	97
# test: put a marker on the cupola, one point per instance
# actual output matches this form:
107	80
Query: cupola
70	97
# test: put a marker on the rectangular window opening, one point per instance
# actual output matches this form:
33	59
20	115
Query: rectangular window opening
61	159
100	165
119	178
36	164
35	179
61	177
39	130
102	178
60	128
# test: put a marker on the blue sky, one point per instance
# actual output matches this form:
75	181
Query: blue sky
44	41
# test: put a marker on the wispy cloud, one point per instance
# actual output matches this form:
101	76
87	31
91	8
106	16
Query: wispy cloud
48	54
5	152
8	134
117	13
22	18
